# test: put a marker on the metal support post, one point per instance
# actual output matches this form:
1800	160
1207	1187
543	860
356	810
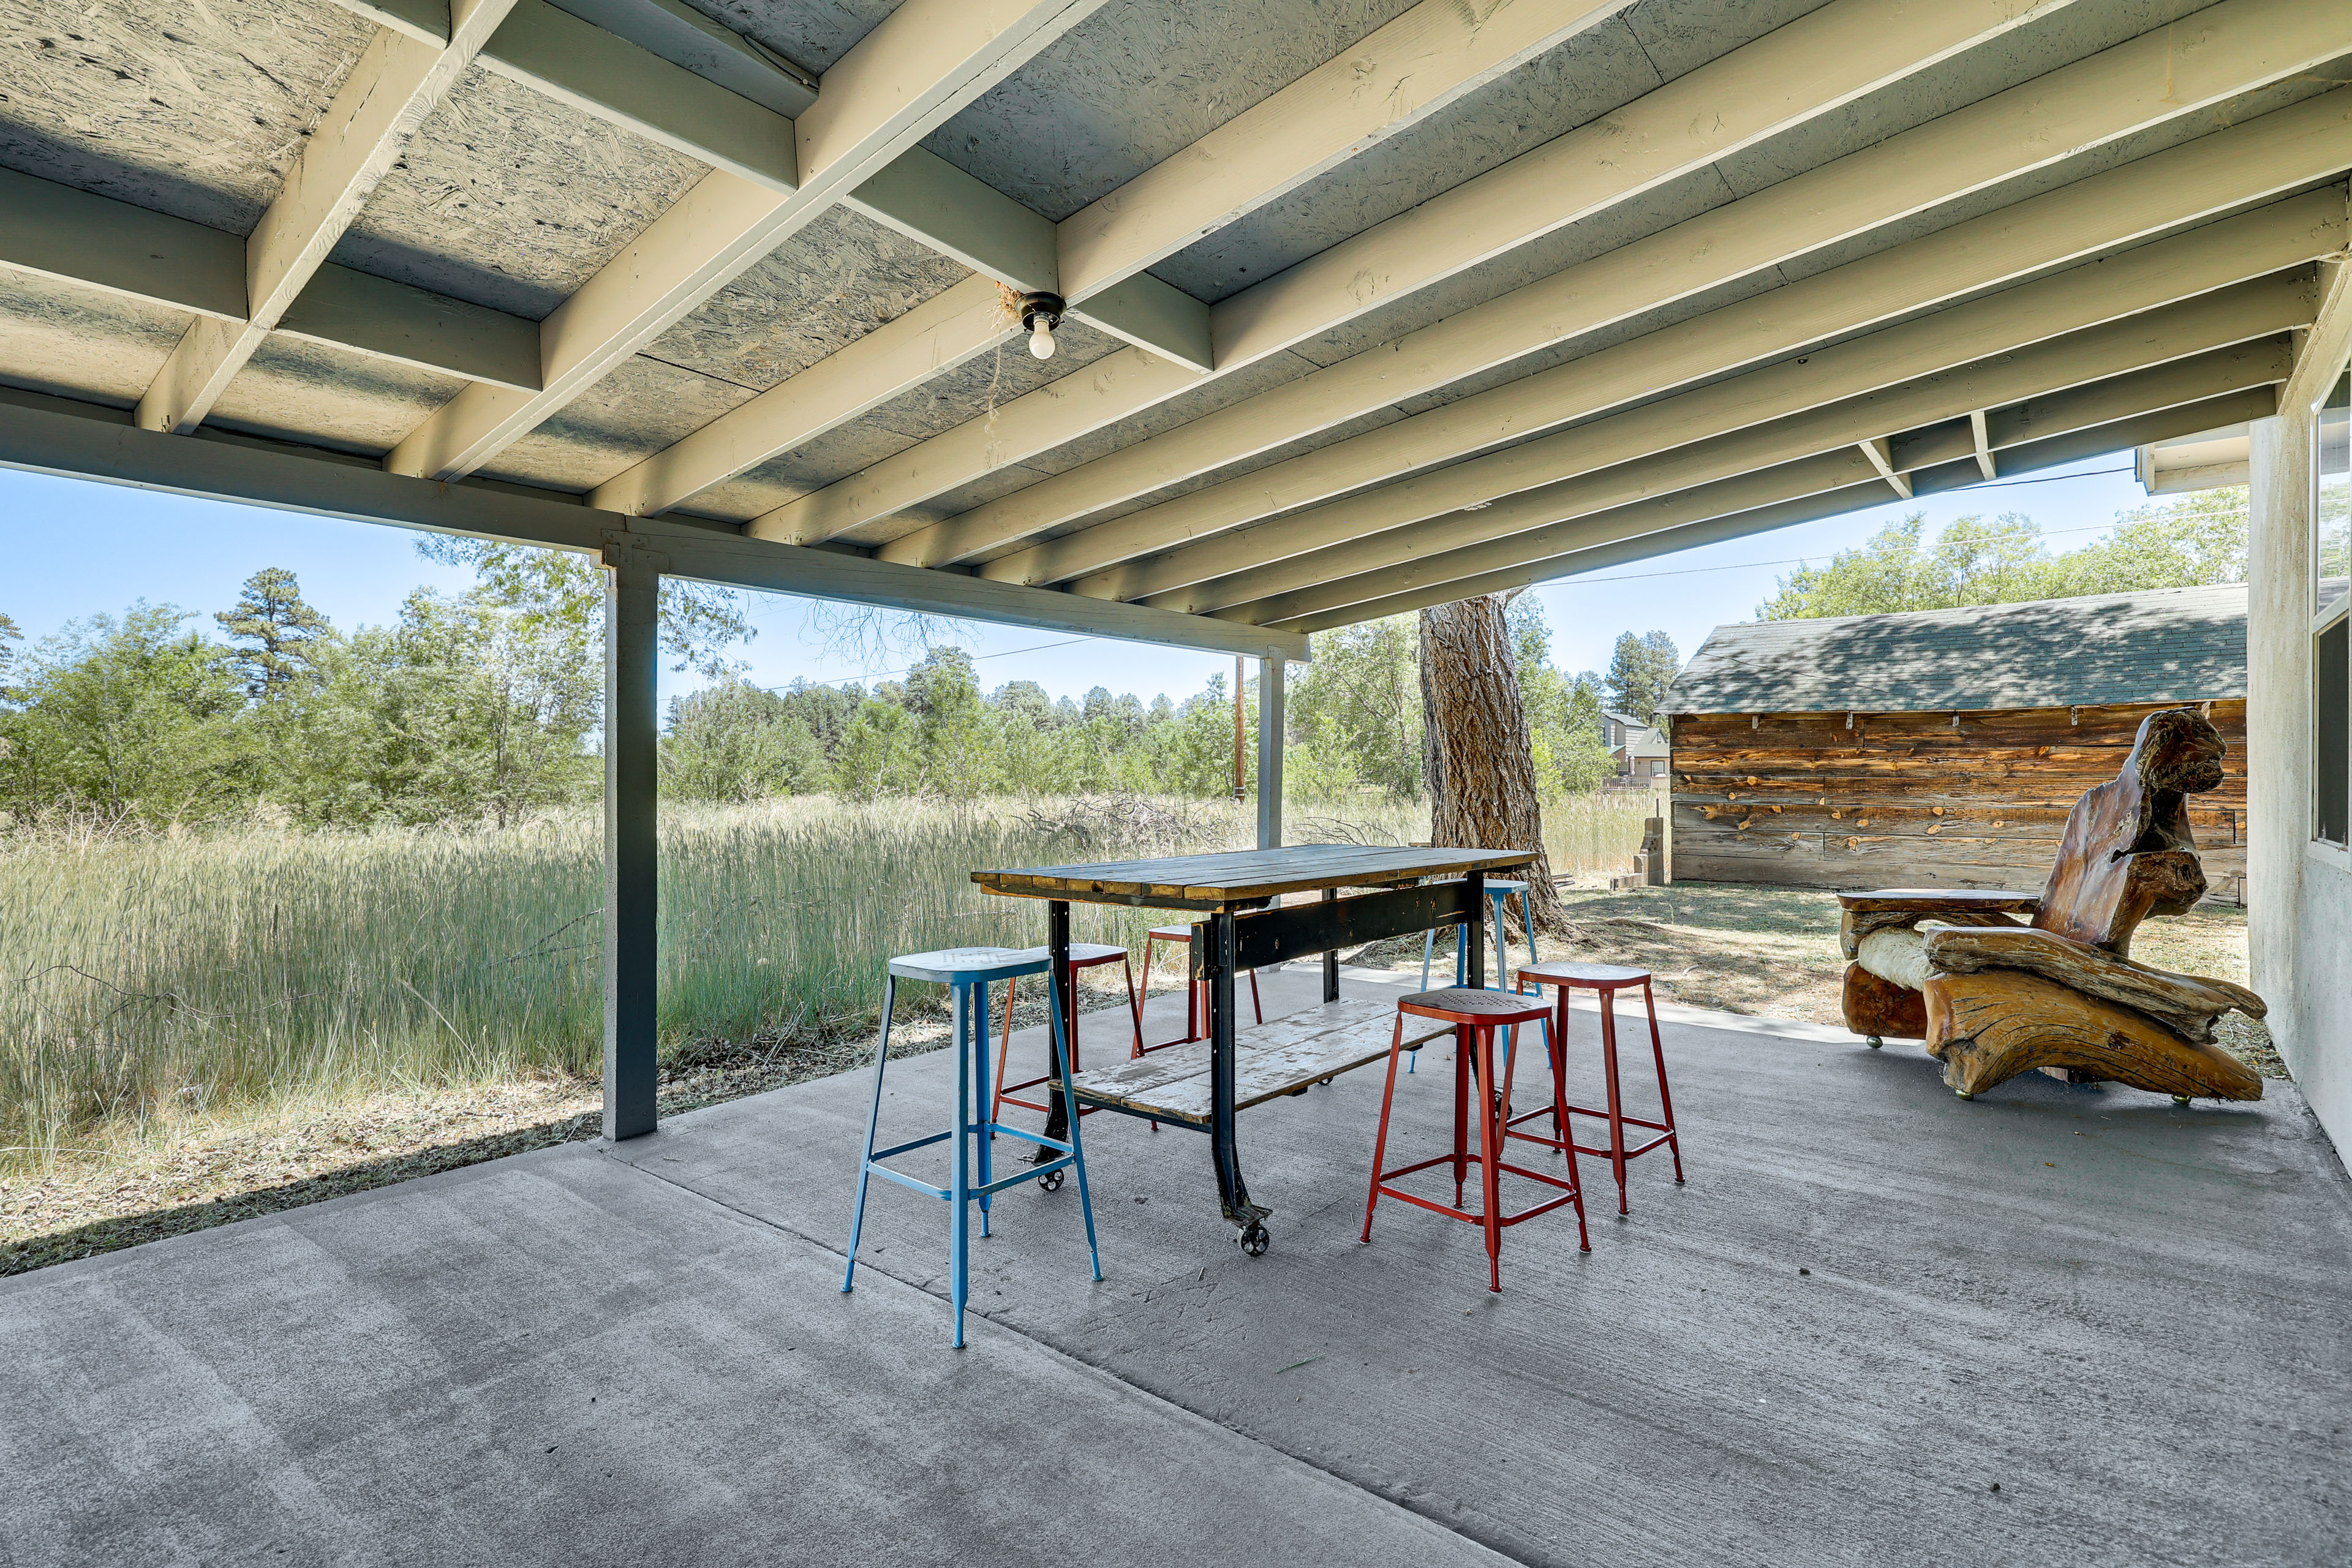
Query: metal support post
1269	753
632	662
1063	992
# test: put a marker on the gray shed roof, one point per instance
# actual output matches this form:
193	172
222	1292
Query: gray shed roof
2164	644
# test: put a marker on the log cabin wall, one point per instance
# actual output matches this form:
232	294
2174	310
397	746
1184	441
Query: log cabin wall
1801	800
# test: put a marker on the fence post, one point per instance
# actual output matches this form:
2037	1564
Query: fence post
632	664
1269	753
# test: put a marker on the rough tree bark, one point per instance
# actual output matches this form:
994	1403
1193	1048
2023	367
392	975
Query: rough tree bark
1482	769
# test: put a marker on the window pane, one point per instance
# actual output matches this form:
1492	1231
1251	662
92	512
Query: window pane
2333	523
2331	773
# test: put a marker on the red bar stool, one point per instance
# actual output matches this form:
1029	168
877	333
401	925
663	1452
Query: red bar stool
1083	955
1475	1016
1606	980
1182	936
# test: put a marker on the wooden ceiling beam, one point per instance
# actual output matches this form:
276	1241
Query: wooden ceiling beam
1806	69
925	62
1690	519
2123	90
397	82
2263	242
1787	459
2116	207
1400	73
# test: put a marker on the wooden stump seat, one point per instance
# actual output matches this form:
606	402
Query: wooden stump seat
1993	995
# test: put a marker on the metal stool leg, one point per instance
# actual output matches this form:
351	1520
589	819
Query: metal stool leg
1461	1066
873	1119
1560	1118
959	1188
1069	1097
1492	1106
1616	1107
1134	1005
1381	1140
983	1109
996	1103
1666	1100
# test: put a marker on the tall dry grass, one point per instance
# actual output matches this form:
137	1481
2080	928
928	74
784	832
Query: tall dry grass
143	978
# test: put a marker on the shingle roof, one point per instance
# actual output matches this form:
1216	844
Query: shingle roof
2164	644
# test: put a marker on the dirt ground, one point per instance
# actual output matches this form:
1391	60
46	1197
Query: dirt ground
1744	950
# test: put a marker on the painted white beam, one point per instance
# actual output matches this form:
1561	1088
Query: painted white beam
601	74
396	82
55	435
2216	173
1400	73
1802	70
2221	342
1984	444
1882	458
1710	515
922	64
2279	236
683	36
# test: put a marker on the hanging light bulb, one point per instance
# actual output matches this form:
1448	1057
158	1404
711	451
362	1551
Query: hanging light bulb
1040	314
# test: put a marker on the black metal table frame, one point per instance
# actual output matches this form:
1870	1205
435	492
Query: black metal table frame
1247	934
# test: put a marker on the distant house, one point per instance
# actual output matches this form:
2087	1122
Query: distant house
1942	748
1637	752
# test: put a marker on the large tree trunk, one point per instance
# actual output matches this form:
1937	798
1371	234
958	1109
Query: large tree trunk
1482	771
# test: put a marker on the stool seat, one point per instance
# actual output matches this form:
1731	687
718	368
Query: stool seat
1464	1005
1595	976
951	964
1086	953
1173	933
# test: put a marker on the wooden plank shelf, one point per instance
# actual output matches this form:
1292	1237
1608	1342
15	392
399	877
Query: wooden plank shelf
1272	1059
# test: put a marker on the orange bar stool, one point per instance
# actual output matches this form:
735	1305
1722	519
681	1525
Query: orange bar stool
1182	936
1606	980
1475	1016
1083	955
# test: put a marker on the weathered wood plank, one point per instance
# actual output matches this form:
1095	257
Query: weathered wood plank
1243	875
1271	1059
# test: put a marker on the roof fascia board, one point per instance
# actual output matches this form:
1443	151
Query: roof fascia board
395	83
55	436
1840	382
2118	207
1654	541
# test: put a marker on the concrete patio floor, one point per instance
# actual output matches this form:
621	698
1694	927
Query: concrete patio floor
2134	1319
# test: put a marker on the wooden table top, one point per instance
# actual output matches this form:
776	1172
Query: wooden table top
1243	875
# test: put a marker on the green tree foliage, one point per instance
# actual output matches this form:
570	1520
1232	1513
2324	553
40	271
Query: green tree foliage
1563	711
736	742
1355	717
273	633
1639	670
559	595
134	717
2199	539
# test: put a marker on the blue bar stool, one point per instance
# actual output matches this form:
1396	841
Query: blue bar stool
1496	891
969	971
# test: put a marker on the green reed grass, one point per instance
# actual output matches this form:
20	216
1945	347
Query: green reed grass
145	977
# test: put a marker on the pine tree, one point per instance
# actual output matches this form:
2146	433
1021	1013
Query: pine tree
279	633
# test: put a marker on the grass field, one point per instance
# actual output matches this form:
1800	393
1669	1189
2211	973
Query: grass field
151	981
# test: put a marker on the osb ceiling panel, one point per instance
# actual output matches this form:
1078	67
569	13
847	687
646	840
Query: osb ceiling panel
196	109
329	397
508	199
635	411
814	295
812	34
1136	82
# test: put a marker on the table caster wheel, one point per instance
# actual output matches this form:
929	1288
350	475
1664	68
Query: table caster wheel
1253	1239
1964	1094
2179	1100
1325	1082
1051	1180
1875	1042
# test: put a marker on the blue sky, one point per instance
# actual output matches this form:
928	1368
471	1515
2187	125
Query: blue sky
74	548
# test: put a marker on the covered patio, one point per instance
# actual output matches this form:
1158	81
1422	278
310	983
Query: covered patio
1214	326
2062	1326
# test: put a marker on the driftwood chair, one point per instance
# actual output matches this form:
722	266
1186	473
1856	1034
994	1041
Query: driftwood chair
1993	997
